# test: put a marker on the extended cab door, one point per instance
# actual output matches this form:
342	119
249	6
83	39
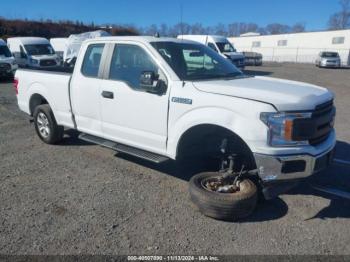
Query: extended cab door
130	114
85	90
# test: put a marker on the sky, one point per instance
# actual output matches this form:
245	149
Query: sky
314	13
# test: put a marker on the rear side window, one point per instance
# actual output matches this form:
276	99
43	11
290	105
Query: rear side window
92	60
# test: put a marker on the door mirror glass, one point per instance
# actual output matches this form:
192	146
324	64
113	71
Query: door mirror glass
147	78
150	82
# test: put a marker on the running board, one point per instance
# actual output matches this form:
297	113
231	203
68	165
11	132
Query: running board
123	148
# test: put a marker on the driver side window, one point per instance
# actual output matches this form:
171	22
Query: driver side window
129	62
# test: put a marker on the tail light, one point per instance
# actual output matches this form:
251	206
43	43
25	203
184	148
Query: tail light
15	85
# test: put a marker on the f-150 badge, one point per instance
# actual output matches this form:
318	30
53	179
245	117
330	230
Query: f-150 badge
182	100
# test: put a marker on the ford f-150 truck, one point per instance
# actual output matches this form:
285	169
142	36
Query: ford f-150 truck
165	98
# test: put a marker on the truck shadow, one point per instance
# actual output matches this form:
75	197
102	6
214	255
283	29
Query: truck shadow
71	139
336	176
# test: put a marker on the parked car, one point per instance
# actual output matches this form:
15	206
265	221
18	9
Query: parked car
328	59
220	45
33	52
7	62
148	97
253	59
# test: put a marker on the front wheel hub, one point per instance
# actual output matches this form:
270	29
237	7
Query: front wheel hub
220	184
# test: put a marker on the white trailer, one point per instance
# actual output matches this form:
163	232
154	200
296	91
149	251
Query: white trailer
298	47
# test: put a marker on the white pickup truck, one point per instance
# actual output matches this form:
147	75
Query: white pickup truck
165	98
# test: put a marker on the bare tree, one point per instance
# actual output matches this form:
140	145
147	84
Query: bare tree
197	29
233	29
151	30
341	19
298	28
164	30
220	29
277	28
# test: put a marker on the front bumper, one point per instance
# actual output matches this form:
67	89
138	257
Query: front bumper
291	167
330	64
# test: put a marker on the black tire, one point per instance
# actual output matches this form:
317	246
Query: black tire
223	206
55	133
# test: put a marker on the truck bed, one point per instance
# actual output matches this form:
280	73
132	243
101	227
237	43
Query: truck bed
51	84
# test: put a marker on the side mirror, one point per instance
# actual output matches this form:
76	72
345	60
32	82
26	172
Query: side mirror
149	81
147	78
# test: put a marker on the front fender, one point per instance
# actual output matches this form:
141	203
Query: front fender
243	124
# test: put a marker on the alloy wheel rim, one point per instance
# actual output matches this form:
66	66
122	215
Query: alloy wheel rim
43	125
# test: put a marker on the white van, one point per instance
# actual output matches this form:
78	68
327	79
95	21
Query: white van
219	44
33	52
8	64
59	45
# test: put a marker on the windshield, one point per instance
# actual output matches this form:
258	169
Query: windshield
329	54
39	49
4	51
195	61
225	47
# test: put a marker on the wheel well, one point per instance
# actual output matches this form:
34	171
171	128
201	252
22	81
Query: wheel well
207	139
35	101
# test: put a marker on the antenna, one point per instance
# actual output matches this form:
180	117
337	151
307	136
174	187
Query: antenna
181	20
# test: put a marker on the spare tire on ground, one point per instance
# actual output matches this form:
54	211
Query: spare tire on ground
223	206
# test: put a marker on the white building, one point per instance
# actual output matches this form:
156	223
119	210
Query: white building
297	47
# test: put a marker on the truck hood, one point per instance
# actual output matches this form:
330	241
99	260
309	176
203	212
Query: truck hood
285	95
44	57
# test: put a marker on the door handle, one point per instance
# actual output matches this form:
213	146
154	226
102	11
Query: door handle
107	94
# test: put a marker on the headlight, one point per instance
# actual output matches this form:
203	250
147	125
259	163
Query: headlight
34	61
280	126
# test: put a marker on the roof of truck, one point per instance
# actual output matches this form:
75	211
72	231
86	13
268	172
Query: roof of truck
143	39
29	40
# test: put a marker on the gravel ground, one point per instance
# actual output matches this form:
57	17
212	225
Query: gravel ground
79	198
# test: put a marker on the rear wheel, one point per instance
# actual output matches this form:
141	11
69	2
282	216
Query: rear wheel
46	126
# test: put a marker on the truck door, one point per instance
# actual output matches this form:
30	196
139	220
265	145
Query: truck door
85	90
130	115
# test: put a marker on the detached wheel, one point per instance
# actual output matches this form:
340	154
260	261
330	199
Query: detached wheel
234	204
46	126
